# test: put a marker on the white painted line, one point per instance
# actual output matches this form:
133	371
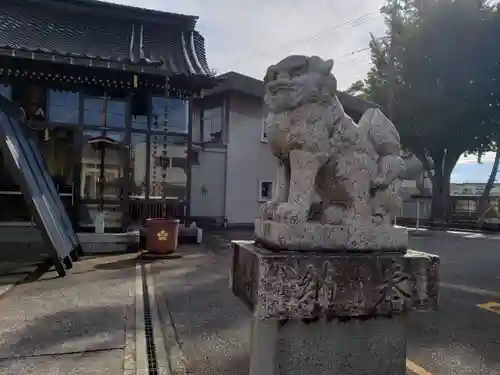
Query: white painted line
469	289
457	232
141	353
475	235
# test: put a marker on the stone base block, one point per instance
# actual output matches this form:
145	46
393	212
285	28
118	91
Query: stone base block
330	313
321	237
101	243
312	285
374	347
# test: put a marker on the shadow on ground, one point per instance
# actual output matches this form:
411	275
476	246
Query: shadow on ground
67	331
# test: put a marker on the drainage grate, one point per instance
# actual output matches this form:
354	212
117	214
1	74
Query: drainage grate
148	326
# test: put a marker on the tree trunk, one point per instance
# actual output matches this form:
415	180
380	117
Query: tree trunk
439	197
443	166
482	205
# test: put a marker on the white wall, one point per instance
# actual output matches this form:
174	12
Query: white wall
207	184
249	160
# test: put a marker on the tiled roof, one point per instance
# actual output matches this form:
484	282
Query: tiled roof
124	11
233	81
101	31
237	82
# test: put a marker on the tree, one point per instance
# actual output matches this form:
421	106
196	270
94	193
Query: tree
482	206
356	89
446	73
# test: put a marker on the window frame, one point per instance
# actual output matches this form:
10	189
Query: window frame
49	92
106	126
263	131
206	128
8	88
261	198
166	103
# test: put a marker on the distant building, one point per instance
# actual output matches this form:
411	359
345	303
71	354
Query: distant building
473	189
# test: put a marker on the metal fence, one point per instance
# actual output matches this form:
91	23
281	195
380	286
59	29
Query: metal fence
463	211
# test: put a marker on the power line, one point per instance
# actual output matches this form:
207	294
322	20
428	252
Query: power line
351	62
358	21
358	51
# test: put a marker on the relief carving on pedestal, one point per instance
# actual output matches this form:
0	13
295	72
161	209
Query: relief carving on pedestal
329	289
343	287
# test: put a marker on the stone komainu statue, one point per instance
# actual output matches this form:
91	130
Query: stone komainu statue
351	169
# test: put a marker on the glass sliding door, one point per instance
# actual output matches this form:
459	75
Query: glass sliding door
57	151
12	205
13	208
104	156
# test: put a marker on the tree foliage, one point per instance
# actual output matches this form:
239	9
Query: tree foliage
446	86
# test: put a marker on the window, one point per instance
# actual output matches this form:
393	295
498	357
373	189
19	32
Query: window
170	115
177	116
32	99
168	168
6	91
263	131
139	122
63	106
158	120
113	167
138	156
212	124
139	107
265	191
103	111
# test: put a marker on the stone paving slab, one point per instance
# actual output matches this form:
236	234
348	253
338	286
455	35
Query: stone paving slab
13	273
60	321
17	262
102	363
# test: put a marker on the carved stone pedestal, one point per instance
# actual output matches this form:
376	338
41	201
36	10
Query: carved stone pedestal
330	312
314	236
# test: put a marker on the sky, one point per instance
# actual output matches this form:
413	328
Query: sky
247	36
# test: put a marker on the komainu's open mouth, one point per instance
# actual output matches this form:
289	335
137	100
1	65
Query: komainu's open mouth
281	85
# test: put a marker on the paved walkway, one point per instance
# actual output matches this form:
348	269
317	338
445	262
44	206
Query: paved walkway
17	263
212	326
72	325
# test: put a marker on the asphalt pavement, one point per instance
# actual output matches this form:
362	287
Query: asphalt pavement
461	338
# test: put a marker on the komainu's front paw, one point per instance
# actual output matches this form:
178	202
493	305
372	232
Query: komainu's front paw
290	214
267	210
